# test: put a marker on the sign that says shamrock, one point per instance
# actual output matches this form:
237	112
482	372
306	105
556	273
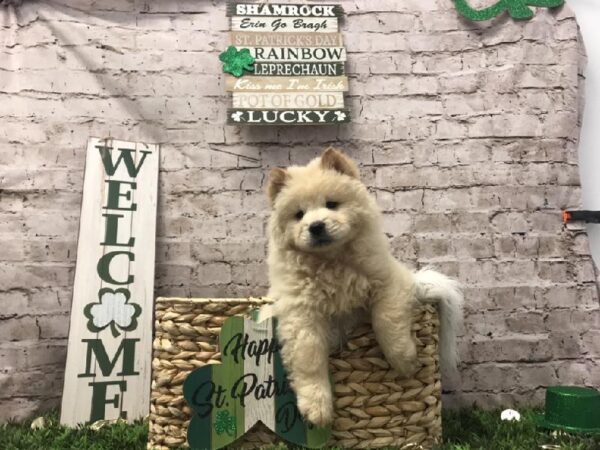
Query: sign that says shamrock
250	385
286	64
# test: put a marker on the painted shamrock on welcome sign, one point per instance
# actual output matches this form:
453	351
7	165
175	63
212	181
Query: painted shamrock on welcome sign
112	310
518	9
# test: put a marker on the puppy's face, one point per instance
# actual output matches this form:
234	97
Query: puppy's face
318	207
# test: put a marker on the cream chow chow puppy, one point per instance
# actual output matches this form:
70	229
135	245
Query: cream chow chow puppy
330	264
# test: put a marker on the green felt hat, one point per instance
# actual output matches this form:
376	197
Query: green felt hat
571	408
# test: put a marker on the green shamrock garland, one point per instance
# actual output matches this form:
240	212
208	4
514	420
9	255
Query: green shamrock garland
518	9
235	62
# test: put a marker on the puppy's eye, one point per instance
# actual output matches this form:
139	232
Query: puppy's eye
332	205
299	215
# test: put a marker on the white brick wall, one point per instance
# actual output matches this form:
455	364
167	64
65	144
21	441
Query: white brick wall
465	132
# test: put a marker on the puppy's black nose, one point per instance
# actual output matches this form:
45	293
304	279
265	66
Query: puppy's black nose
317	228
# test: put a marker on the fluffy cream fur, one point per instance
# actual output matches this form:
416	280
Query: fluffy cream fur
329	262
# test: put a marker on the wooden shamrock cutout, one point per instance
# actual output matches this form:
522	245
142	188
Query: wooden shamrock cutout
250	385
518	9
235	62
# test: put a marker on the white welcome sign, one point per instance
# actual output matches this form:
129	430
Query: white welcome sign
110	338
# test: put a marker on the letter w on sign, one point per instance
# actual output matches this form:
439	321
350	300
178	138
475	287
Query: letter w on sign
110	337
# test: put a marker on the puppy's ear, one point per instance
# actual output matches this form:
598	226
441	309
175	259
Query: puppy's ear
277	179
334	159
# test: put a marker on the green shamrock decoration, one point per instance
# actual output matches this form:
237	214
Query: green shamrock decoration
235	62
113	310
518	9
225	423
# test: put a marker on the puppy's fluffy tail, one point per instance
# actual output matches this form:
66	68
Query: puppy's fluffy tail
438	289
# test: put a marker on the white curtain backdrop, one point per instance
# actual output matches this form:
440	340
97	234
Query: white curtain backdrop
588	17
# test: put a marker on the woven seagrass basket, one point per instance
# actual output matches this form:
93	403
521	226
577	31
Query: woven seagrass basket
373	406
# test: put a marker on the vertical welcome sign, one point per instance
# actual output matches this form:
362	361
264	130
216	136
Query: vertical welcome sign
108	369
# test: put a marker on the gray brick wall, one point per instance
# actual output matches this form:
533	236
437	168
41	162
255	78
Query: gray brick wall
467	133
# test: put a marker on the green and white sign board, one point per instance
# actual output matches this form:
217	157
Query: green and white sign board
284	61
250	385
110	337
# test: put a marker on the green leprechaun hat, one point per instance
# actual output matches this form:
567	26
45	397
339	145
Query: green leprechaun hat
571	408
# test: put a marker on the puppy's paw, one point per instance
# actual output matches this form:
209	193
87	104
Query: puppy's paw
405	362
407	368
316	407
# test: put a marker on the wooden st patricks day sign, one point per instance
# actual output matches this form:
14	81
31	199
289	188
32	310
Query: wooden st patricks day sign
110	338
286	64
249	386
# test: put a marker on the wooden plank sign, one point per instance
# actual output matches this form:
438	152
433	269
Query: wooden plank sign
288	100
243	39
107	375
299	69
287	116
297	57
284	25
298	54
250	385
283	84
283	10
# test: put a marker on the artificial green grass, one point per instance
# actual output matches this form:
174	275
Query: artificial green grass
118	436
464	430
483	430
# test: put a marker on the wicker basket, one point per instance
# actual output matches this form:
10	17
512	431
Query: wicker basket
373	406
